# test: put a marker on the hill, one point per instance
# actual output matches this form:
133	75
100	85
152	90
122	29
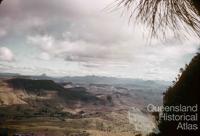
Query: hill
34	85
21	91
185	92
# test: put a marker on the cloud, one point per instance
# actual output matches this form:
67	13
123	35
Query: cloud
122	58
72	19
6	54
2	32
45	43
44	56
82	51
81	37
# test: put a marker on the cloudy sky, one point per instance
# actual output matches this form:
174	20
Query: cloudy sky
76	38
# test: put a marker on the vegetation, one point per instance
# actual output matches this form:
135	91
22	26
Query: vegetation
23	112
184	92
34	85
162	15
77	93
109	98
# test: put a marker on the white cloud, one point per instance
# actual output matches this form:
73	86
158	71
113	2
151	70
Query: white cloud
44	56
125	58
80	50
6	54
43	42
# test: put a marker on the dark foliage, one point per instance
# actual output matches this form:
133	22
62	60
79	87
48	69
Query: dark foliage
34	85
187	86
77	93
162	15
185	92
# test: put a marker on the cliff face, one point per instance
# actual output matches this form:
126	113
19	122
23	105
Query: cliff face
185	92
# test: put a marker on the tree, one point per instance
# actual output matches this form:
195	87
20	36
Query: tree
161	15
184	92
109	98
181	70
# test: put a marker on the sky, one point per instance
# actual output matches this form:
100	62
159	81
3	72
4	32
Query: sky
76	38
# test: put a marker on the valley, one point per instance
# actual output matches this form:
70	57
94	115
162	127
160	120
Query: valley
46	107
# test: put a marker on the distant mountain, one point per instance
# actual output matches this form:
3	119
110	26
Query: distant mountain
43	87
155	85
88	79
17	75
132	83
111	80
9	75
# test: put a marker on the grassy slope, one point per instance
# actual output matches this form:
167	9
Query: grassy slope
7	97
